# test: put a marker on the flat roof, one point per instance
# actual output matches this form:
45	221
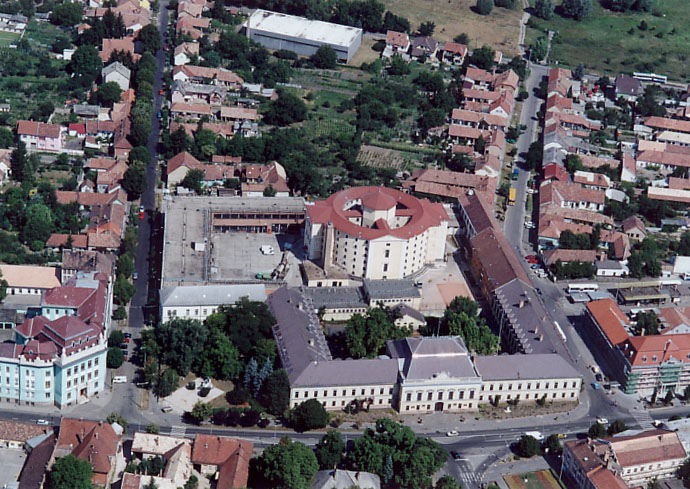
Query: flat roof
524	367
301	28
211	294
330	297
390	289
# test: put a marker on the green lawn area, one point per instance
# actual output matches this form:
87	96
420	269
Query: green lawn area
543	479
7	38
42	34
609	42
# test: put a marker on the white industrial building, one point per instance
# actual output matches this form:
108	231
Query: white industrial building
303	36
201	301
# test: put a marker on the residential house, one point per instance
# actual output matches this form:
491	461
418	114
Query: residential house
550	257
87	111
97	443
449	184
185	52
571	195
197	93
611	268
233	114
194	111
38	461
225	459
628	87
15	23
219	129
179	165
453	53
201	301
15	434
5	164
634	228
665	124
118	73
108	46
424	47
345	479
39	136
77	130
202	74
396	43
29	279
257	178
591	180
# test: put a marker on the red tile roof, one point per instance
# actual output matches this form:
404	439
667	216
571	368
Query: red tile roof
182	159
667	124
96	443
647	447
455	48
398	39
230	455
38	129
610	320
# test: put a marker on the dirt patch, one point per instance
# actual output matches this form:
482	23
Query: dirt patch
524	411
500	29
365	53
344	420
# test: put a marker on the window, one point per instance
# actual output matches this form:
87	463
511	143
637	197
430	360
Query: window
385	267
387	254
296	394
419	396
69	384
462	395
440	396
429	396
335	393
471	396
450	395
408	397
555	386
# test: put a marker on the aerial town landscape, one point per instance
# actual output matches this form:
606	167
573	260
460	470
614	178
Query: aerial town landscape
341	244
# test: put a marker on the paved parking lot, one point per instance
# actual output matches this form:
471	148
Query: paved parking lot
12	461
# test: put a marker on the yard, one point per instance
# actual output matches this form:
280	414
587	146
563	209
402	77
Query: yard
7	38
609	42
543	479
452	17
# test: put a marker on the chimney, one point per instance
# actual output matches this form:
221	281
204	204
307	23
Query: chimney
311	342
95	435
536	329
521	303
205	445
541	337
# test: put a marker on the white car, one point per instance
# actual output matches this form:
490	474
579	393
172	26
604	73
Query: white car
452	433
43	422
602	421
529	225
267	250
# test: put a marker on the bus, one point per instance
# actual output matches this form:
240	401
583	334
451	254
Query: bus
582	287
511	196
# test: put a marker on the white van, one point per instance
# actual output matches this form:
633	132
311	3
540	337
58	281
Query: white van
535	434
120	379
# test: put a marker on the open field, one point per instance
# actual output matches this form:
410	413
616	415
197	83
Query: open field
608	42
499	30
543	479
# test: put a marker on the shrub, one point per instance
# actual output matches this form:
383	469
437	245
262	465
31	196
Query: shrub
239	395
191	386
484	7
250	418
263	422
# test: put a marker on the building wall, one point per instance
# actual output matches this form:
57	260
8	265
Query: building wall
81	375
453	395
176	176
530	390
303	47
199	311
336	398
640	475
26	382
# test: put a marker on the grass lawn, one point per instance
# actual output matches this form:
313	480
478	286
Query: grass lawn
42	33
499	30
7	38
608	42
543	479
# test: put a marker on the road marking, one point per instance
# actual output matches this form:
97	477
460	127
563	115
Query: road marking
178	431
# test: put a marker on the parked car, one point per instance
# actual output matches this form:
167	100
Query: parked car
127	340
599	378
595	386
135	276
452	433
455	455
127	335
535	266
44	422
161	91
602	420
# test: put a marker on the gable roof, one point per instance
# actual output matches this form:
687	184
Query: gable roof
398	39
182	159
230	455
94	442
610	319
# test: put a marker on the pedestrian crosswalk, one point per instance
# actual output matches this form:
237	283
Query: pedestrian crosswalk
642	417
469	479
177	431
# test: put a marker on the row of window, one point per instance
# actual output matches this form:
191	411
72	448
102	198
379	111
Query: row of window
547	385
439	395
187	312
82	367
342	403
534	396
82	379
353	392
649	467
427	407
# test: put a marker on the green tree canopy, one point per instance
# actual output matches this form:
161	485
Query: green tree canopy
288	465
108	93
483	57
85	65
115	357
68	14
462	318
325	58
286	110
308	415
576	9
366	335
193	180
528	446
167	382
38	224
544	9
134	181
329	450
647	323
484	7
150	38
275	393
70	472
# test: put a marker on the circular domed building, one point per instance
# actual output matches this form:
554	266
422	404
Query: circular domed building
375	232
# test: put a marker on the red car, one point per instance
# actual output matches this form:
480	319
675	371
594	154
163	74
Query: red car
161	91
165	48
141	212
126	340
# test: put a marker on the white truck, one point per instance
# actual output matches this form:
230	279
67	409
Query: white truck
535	434
120	379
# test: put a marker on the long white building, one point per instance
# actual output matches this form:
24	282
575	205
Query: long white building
375	232
303	36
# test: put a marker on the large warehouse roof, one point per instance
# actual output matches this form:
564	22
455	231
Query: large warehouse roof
299	27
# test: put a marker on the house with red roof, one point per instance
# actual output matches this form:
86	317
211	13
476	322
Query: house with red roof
453	53
39	136
227	459
97	443
396	43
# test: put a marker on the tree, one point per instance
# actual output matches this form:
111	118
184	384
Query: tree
68	14
544	9
38	225
392	22
251	372
123	291
108	93
447	482
115	357
153	429
150	38
85	65
553	444
462	38
193	180
287	109
119	419
668	398
275	393
535	155
483	58
484	7
528	446
538	49
201	412
617	426
308	415
167	382
576	9
462	318
3	287
325	58
329	450
647	322
18	162
427	28
597	430
684	471
579	72
125	265
573	162
287	465
269	191
134	180
398	67
140	153
70	472
366	335
505	3
116	338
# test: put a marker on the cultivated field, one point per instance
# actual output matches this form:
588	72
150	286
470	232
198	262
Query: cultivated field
543	479
608	42
499	29
7	38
